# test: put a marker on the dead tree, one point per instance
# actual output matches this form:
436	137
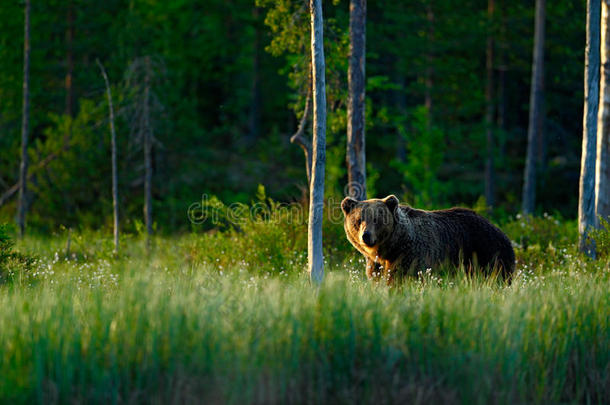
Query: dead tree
316	189
115	187
145	107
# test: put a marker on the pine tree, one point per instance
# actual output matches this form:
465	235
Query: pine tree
356	156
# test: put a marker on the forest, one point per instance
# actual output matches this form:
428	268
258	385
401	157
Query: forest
171	179
228	85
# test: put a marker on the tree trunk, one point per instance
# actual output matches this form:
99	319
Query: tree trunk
535	113
255	91
69	60
602	168
115	187
586	200
23	168
147	153
400	102
316	189
428	78
69	88
489	113
501	116
355	156
501	69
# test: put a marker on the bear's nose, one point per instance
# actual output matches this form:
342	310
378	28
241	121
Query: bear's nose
367	238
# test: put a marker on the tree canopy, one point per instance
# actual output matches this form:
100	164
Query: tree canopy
231	89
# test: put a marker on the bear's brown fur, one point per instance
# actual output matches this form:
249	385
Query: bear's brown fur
397	239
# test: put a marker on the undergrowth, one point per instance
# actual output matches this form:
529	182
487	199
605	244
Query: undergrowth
228	316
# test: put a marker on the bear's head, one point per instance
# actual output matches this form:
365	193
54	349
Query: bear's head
369	222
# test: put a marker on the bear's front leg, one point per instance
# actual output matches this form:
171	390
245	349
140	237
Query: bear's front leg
373	269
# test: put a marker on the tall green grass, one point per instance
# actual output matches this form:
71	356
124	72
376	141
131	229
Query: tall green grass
230	317
136	331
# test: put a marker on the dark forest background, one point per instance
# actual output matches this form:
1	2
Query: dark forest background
229	86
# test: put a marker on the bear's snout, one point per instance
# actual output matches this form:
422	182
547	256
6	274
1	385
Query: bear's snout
368	239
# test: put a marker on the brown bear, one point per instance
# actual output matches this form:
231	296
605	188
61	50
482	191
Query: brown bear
397	240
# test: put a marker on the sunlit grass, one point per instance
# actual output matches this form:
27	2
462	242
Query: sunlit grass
172	329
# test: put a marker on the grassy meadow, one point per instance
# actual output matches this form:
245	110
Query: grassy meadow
230	317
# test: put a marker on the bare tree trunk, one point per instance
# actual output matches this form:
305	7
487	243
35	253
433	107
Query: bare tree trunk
69	88
147	153
356	156
428	78
115	187
69	60
316	189
535	114
501	69
489	113
255	92
586	200
400	101
602	168
501	117
23	168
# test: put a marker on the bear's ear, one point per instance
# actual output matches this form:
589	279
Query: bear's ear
392	202
348	204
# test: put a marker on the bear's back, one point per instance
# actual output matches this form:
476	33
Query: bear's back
463	232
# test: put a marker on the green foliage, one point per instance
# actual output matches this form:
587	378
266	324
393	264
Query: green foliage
543	231
6	246
229	110
601	236
12	264
540	241
265	237
70	183
286	19
372	176
425	157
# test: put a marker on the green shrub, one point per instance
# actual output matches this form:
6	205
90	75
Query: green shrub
547	230
601	237
265	237
542	241
6	246
11	262
421	171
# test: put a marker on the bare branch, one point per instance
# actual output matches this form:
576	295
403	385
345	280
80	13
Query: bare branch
33	170
299	137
